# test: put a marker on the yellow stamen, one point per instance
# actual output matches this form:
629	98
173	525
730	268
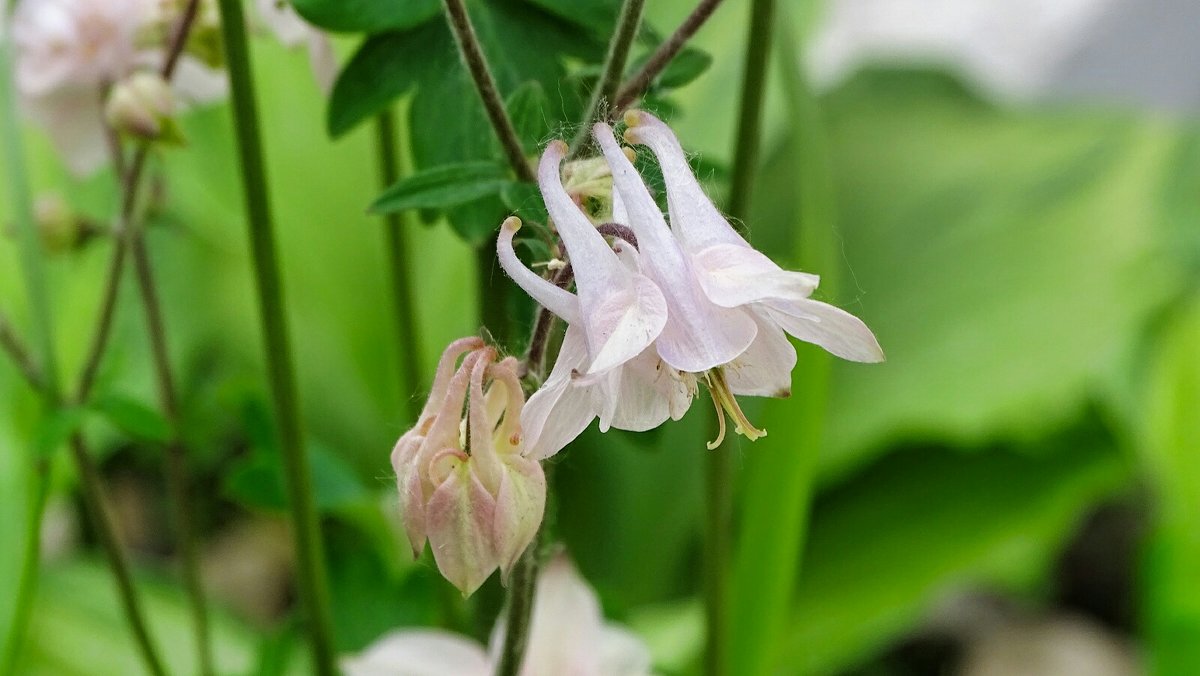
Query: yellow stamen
726	403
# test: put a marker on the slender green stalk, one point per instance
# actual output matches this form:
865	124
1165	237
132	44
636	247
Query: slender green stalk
177	474
396	227
310	555
780	476
721	463
605	92
45	375
658	61
10	343
520	608
485	84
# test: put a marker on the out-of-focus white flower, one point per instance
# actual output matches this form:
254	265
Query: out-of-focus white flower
567	636
69	52
292	31
141	105
468	485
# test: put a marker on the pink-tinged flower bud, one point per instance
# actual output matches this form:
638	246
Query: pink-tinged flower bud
465	483
142	105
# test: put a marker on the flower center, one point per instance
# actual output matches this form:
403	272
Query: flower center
725	402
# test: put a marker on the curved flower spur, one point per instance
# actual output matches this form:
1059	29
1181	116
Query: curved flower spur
467	484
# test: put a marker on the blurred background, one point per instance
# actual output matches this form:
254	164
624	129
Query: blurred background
1011	191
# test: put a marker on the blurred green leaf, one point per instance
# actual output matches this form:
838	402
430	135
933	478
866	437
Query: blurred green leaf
1002	257
441	187
525	106
57	427
689	64
133	417
256	481
598	15
1170	442
366	16
889	545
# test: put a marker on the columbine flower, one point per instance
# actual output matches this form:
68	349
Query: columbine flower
567	635
70	51
607	367
467	484
292	31
728	305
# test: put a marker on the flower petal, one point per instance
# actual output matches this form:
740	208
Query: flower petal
418	652
621	653
559	301
834	329
561	409
695	220
647	393
520	505
765	369
622	312
698	335
734	275
460	517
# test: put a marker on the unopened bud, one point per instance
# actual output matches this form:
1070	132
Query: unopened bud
142	106
58	226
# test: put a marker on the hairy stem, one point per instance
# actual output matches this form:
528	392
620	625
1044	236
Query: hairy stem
485	85
520	608
310	555
605	92
658	61
106	530
721	463
396	226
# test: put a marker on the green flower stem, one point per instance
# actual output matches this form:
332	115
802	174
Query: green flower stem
658	61
177	474
721	464
310	555
10	343
485	85
396	227
605	92
520	608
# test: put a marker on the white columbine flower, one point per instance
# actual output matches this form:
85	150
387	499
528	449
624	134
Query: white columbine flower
607	364
69	52
567	635
292	31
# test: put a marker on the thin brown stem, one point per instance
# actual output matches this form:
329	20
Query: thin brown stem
10	343
658	61
485	84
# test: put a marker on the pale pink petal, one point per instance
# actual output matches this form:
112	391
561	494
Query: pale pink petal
765	369
560	410
520	504
694	218
322	59
418	652
834	329
559	301
733	275
460	517
410	487
622	312
647	393
72	118
281	19
197	84
621	653
698	335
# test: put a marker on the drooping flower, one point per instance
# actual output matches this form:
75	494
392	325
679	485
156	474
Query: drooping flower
467	484
292	31
607	362
69	52
567	635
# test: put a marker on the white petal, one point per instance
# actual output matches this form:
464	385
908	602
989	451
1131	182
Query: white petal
694	218
565	626
322	60
699	335
733	275
197	84
648	393
622	312
559	301
419	652
834	329
764	370
283	21
561	409
72	119
621	653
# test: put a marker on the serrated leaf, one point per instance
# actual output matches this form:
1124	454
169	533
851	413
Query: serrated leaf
526	107
689	64
443	187
133	417
366	16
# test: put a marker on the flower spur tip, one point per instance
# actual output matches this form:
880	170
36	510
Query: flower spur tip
511	223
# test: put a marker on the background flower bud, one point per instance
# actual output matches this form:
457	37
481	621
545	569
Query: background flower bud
142	106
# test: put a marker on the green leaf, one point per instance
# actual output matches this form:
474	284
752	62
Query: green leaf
1003	257
689	64
442	187
256	481
57	427
597	15
366	16
134	418
890	545
526	108
1170	437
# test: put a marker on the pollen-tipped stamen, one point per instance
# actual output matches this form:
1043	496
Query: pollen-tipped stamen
718	388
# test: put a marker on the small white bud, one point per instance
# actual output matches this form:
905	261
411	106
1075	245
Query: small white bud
141	105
